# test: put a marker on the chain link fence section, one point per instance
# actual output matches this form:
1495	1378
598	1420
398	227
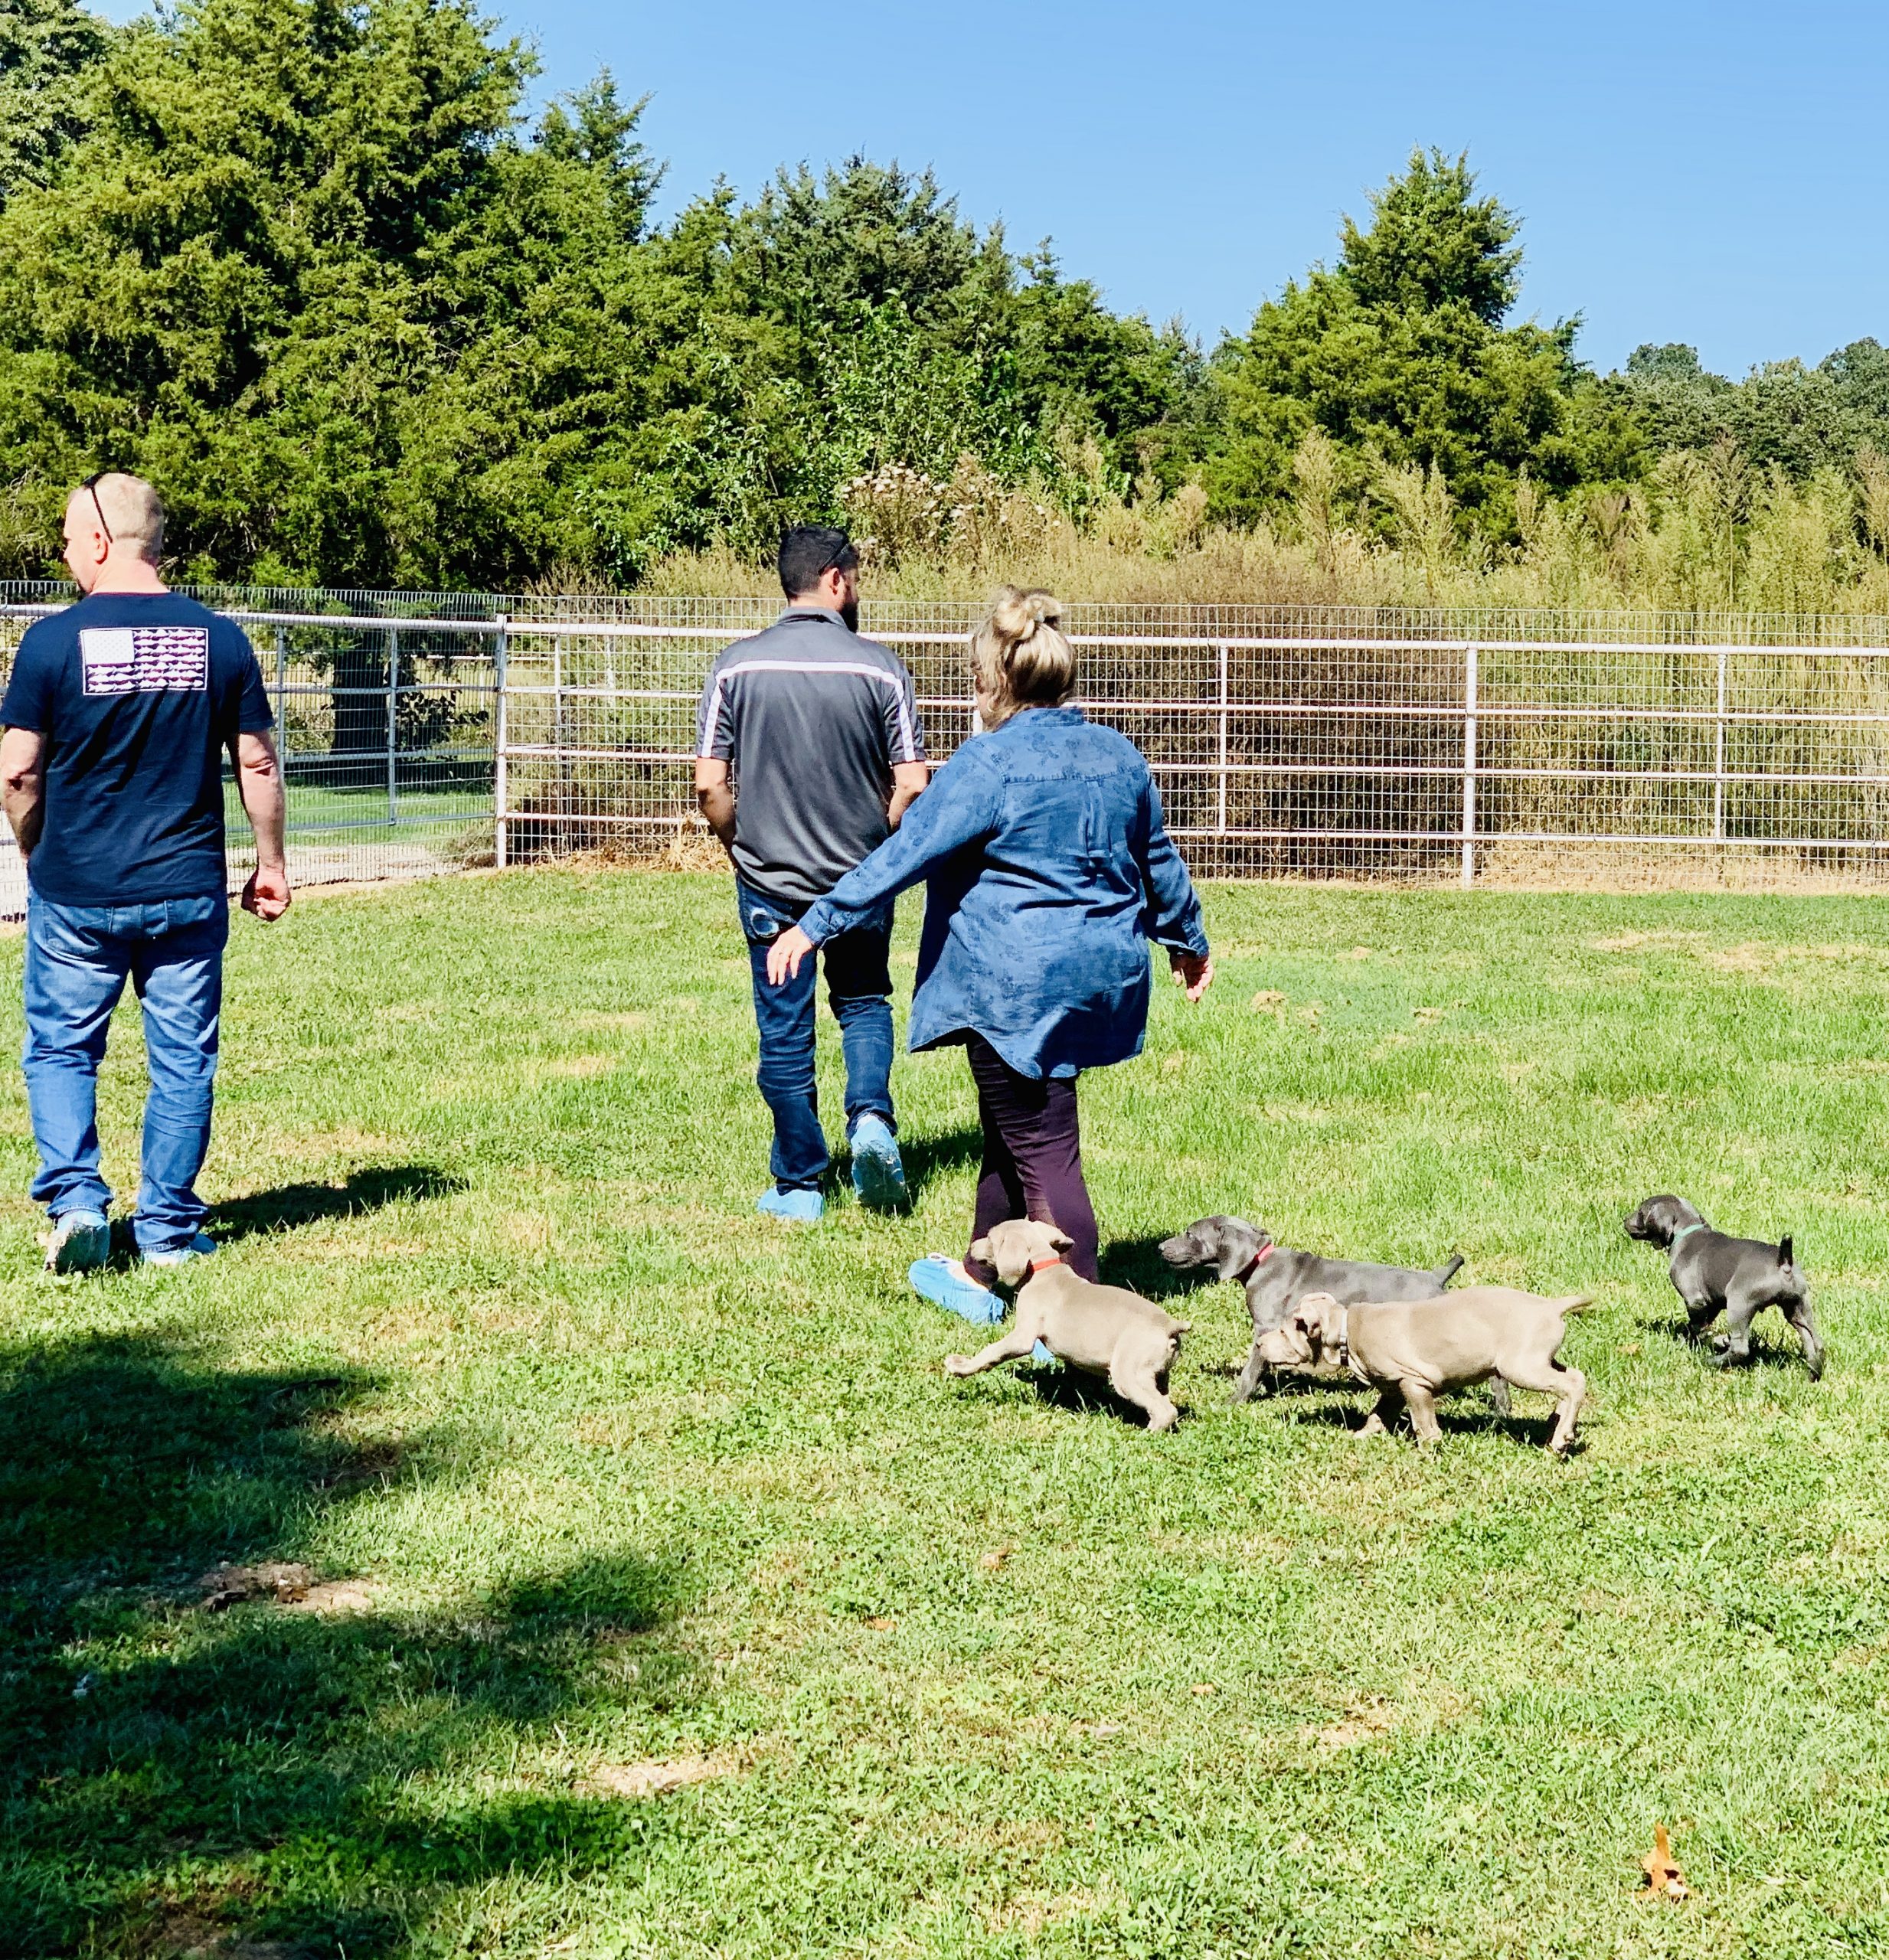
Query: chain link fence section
1414	746
387	729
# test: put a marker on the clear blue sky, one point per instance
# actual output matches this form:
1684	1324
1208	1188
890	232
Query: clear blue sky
1708	170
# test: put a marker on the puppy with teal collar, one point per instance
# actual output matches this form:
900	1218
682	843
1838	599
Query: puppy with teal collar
1714	1273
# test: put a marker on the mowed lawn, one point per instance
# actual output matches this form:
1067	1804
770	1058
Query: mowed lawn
608	1484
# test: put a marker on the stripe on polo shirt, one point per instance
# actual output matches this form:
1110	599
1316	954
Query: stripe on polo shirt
712	721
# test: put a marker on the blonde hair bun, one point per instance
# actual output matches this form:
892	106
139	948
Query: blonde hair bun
1021	654
1017	614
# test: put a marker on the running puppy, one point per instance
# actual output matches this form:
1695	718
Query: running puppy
1276	1279
1105	1329
1740	1278
1412	1350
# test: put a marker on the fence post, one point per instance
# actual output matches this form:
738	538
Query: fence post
1468	766
1225	700
393	724
562	832
500	829
1718	759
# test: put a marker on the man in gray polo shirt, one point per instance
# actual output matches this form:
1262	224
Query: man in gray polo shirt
809	750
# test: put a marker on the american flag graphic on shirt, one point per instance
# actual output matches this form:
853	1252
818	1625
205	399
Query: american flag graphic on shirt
144	660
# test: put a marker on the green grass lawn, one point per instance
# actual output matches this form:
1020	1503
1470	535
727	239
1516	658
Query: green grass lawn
611	1483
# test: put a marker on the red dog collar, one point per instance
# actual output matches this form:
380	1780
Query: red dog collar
1043	1264
1252	1265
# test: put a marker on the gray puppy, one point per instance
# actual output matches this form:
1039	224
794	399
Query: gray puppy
1276	1279
1413	1351
1714	1274
1104	1330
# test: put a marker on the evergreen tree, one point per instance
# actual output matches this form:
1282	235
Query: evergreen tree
48	50
1399	355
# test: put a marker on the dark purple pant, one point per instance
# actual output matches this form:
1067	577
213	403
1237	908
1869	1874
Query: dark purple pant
1032	1157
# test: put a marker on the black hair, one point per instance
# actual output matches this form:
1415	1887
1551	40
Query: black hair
808	550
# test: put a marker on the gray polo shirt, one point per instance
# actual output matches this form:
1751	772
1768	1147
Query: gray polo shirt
811	718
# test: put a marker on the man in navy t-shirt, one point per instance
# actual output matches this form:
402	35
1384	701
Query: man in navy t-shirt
118	714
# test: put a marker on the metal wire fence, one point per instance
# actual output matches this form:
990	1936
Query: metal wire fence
386	729
1415	745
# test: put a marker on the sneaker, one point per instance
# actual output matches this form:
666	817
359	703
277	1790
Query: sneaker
878	1174
946	1284
804	1207
81	1242
200	1247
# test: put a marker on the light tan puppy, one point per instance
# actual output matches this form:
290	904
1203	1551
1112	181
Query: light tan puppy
1106	1330
1412	1350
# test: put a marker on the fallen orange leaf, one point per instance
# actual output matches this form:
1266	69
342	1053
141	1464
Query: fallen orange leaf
1662	1874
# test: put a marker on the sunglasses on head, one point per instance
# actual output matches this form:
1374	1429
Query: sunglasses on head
90	486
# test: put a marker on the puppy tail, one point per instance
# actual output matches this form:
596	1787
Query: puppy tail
1445	1273
1576	1303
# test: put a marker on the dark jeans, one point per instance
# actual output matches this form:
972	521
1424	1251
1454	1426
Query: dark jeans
78	959
1032	1157
859	991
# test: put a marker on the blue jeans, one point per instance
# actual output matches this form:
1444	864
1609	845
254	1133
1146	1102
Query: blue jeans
859	991
78	958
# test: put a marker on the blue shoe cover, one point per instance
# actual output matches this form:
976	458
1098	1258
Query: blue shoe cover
804	1207
200	1246
946	1284
81	1242
878	1174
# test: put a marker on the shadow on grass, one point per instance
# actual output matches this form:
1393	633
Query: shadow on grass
289	1205
926	1157
1137	1264
1080	1392
1337	1403
1773	1345
172	1776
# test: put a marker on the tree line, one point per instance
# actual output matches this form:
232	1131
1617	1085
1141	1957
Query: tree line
309	266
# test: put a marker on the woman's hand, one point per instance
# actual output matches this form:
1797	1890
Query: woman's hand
784	956
1193	971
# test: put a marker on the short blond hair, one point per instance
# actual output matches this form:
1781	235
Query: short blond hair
1020	655
133	512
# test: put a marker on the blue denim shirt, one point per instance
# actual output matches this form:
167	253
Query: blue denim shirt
1049	870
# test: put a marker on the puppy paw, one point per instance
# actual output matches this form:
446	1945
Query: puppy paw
957	1364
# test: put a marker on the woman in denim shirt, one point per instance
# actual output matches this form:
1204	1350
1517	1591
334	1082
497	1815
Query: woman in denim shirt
1049	870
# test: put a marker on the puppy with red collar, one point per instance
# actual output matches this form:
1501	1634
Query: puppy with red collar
1277	1277
1103	1329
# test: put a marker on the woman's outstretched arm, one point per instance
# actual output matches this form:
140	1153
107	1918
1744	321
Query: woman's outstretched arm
961	806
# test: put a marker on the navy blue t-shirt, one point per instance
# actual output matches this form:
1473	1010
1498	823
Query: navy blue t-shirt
137	696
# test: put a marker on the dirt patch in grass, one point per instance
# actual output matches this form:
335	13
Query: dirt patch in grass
294	1587
1632	941
581	1065
656	1776
1031	1913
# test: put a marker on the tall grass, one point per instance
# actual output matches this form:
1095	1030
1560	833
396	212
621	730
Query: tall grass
1708	533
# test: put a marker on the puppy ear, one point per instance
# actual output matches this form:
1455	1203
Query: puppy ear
1060	1239
980	1251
